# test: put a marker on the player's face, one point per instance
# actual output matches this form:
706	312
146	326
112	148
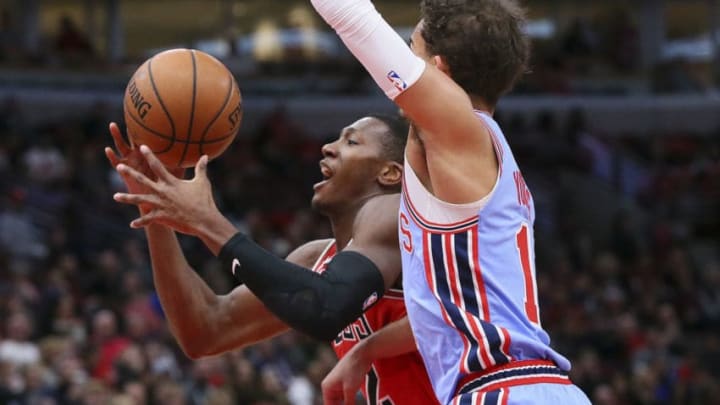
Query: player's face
350	165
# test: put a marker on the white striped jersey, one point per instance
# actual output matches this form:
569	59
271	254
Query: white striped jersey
469	276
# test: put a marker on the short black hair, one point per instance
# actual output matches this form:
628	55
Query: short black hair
393	142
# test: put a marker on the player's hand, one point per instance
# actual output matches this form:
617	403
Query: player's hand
343	382
184	205
127	154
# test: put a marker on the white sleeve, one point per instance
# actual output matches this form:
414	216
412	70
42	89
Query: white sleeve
382	52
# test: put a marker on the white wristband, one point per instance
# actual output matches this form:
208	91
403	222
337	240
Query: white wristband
382	52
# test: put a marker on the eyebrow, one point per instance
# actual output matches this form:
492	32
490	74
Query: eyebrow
347	131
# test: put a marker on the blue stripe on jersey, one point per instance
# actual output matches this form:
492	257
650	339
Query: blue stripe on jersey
464	270
492	398
470	297
443	292
495	343
466	400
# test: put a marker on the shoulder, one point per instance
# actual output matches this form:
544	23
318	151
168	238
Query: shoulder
305	255
378	217
386	205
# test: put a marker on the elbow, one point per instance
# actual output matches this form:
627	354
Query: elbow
325	334
193	348
327	328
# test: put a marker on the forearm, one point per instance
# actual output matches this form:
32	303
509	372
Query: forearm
392	340
186	299
382	52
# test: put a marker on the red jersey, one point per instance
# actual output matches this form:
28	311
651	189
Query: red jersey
396	380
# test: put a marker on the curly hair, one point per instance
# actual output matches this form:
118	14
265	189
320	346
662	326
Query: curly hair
482	42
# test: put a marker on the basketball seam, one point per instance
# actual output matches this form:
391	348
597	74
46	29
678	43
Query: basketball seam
225	103
167	113
154	132
192	108
169	138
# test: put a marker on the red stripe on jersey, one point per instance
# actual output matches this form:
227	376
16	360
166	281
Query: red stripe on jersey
477	274
506	343
504	395
527	381
452	280
449	250
430	275
471	323
325	257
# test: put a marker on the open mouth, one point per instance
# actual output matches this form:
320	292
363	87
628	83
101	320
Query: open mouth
326	172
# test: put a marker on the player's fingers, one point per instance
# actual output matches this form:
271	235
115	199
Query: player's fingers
137	199
120	144
147	219
201	167
112	157
156	165
128	171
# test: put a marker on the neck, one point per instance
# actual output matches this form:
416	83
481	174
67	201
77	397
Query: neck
481	105
342	225
342	221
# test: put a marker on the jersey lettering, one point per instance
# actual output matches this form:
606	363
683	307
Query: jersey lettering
372	386
407	240
355	332
523	193
523	246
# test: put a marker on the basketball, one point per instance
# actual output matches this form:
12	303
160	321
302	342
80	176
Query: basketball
182	104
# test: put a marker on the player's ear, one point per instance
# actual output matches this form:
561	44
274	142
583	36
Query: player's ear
441	64
391	174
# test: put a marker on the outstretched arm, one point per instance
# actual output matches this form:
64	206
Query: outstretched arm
345	379
456	146
319	305
431	100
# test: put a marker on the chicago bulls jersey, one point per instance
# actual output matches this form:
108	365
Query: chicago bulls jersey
395	380
469	279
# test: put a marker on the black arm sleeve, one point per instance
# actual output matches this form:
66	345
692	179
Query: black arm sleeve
319	305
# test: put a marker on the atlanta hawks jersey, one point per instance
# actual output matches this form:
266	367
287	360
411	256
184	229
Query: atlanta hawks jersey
395	380
469	278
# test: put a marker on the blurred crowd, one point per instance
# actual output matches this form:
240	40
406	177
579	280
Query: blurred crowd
634	302
599	52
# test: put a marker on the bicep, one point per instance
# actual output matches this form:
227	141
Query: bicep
440	108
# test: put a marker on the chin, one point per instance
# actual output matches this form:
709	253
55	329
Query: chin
317	204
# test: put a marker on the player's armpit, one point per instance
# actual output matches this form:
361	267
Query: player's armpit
442	110
319	305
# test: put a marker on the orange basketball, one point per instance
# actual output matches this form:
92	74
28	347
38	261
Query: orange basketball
182	104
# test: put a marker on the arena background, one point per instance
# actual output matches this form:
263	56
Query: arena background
615	128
